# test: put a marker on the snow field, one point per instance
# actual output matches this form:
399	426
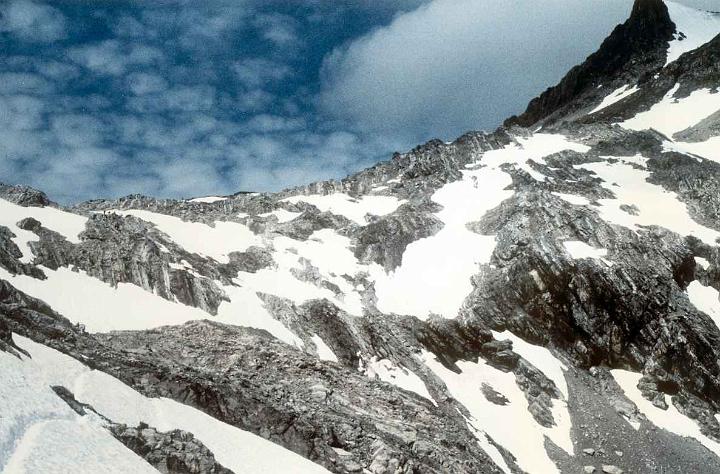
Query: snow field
698	26
65	223
671	419
60	431
354	209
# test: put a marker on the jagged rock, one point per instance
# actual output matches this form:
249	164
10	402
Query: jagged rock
170	452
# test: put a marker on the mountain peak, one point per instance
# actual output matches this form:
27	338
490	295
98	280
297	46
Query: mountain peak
650	19
636	46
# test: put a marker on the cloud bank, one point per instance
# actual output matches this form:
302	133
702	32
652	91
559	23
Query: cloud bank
457	64
182	98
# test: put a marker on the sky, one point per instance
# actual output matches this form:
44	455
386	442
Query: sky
184	98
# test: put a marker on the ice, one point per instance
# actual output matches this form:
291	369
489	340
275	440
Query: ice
615	97
697	26
671	419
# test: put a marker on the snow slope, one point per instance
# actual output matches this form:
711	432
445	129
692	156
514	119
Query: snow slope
42	444
614	97
195	237
672	115
352	208
694	29
503	423
101	308
655	205
706	299
671	419
434	277
65	223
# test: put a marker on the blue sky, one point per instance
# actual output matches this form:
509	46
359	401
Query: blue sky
185	98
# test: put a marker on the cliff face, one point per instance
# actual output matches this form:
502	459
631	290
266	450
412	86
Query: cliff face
528	300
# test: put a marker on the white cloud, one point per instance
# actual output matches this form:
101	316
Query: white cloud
279	29
257	72
113	57
141	83
23	83
454	65
31	21
20	112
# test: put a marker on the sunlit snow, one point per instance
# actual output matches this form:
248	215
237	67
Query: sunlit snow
578	249
101	308
236	449
354	209
387	371
195	237
615	97
671	419
511	425
706	299
655	205
697	26
672	115
434	276
65	223
323	351
209	199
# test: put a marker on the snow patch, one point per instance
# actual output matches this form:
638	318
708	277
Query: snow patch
434	276
671	419
704	263
709	149
236	449
102	308
323	351
195	237
67	224
672	115
504	423
578	249
656	206
354	209
706	299
401	377
282	215
208	199
615	97
697	27
573	199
